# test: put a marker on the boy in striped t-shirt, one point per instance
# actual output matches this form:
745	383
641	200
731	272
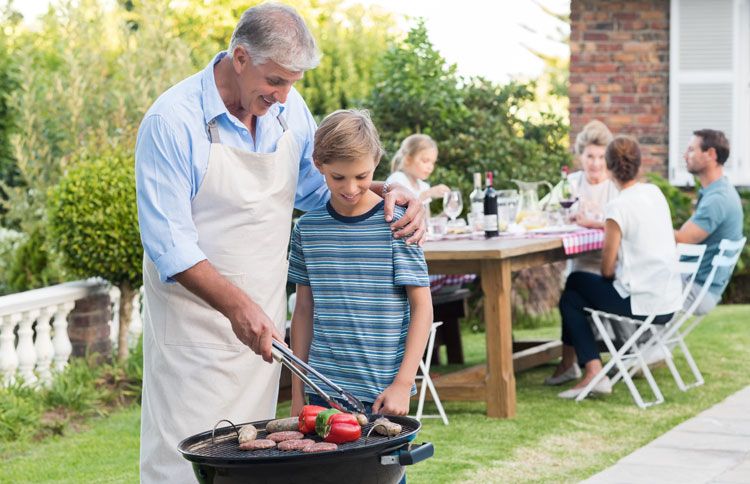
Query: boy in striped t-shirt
363	309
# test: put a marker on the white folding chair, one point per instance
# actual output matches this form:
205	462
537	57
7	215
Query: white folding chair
676	331
426	381
629	357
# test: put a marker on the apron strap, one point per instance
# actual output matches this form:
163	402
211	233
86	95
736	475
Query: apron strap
213	132
282	122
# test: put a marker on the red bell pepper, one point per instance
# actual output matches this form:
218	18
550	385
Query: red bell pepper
322	420
307	418
339	428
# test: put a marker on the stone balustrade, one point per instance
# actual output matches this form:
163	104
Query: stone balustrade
41	328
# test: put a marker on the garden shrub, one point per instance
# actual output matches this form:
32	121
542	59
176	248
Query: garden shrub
680	203
75	388
10	240
20	410
31	265
86	387
93	222
743	266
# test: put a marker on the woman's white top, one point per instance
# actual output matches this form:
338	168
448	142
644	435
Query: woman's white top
591	202
402	179
647	268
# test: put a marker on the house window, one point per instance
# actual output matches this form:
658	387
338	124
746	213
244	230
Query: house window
709	82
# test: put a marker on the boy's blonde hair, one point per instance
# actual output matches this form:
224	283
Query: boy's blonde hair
594	133
347	135
409	147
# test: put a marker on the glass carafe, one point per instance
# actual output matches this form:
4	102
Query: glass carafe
530	213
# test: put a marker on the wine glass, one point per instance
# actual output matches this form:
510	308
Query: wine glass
568	198
453	204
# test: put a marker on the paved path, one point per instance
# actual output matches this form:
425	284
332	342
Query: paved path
714	447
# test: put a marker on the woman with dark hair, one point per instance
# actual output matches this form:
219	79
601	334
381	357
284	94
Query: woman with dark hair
639	273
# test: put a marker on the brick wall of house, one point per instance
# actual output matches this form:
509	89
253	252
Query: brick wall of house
619	71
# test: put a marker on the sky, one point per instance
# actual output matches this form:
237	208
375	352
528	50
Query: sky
487	38
482	37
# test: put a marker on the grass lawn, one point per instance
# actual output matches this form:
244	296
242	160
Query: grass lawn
550	440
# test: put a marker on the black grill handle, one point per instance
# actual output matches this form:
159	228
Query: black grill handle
409	454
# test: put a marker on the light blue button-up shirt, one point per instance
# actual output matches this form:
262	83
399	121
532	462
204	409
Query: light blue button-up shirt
171	159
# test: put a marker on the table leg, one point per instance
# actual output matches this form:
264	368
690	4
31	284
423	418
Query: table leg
501	382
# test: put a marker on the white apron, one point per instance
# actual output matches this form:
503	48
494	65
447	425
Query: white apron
196	372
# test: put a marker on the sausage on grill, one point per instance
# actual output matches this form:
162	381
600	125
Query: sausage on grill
259	444
300	444
383	426
247	433
282	436
282	425
321	447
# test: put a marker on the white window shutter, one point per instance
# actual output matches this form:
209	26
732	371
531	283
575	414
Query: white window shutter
707	85
740	171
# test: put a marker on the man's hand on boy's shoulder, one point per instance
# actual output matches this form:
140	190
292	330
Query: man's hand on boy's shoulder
412	223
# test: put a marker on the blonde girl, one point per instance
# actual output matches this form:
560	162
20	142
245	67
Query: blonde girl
413	163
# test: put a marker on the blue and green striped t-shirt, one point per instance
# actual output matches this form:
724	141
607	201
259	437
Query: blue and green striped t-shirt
357	272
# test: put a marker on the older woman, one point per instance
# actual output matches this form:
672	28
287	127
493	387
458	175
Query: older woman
594	189
638	269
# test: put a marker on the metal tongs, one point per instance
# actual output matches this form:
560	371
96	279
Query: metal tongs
284	355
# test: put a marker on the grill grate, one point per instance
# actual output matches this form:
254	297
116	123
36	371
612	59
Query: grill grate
225	445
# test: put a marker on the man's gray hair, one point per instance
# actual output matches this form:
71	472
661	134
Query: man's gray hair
271	31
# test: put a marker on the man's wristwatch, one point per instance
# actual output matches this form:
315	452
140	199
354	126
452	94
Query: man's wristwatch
386	188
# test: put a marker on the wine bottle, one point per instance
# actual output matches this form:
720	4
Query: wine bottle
490	209
566	191
477	196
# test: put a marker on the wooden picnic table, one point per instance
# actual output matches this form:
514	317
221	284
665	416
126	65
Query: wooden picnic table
494	260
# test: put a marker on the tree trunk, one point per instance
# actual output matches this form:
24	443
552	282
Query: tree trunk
127	293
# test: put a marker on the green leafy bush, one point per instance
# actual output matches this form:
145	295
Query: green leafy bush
31	265
20	410
86	387
93	221
743	266
10	240
75	389
680	203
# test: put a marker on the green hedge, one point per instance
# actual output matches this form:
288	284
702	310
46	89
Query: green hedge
93	220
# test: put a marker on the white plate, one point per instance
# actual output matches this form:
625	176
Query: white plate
557	229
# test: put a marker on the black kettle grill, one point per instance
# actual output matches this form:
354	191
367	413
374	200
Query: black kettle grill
376	459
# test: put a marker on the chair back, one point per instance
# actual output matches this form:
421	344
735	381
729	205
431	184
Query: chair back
690	258
729	254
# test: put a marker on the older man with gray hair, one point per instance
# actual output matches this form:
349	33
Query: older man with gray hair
221	159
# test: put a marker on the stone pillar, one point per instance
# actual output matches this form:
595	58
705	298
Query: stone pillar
88	326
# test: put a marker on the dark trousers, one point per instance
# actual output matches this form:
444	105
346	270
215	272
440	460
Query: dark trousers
586	290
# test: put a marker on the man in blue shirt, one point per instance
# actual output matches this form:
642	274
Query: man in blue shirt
718	214
221	160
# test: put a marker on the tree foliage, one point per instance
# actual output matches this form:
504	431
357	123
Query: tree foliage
351	37
415	89
8	118
478	125
88	79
